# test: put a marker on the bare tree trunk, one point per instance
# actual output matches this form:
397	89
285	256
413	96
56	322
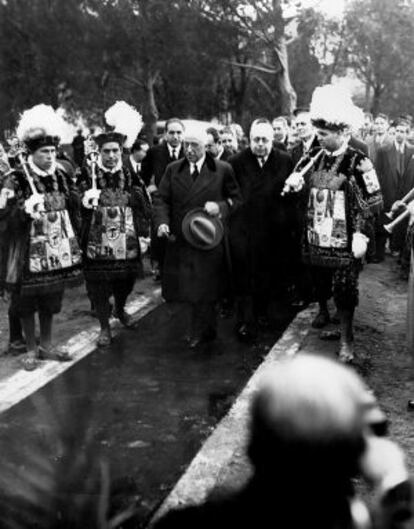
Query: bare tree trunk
376	100
367	96
151	114
288	94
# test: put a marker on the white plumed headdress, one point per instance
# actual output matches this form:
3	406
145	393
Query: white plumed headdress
125	123
332	108
40	126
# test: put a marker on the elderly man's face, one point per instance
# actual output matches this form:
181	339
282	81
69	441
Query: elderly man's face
110	154
304	126
227	140
261	137
194	149
44	157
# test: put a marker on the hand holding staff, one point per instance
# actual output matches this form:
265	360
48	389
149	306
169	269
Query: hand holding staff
295	181
34	205
91	196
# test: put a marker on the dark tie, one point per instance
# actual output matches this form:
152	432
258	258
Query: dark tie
400	167
195	173
174	154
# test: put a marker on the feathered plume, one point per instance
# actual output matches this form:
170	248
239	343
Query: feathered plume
333	104
40	120
126	120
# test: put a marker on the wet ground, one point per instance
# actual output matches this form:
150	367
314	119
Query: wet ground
154	400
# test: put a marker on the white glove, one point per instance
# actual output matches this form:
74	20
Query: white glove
293	183
383	463
212	208
91	198
35	206
5	194
163	230
151	189
144	243
359	245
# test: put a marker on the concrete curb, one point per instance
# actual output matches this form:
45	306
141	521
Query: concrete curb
228	441
23	383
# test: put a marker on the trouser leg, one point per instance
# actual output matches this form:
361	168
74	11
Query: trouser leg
99	294
345	292
121	289
15	326
45	323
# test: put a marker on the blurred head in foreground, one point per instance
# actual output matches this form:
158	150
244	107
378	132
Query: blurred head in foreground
309	422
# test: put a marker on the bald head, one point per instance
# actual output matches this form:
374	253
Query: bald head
310	413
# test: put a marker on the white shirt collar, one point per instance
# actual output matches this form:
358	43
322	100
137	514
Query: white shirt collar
399	146
176	149
118	166
307	144
199	164
37	170
134	163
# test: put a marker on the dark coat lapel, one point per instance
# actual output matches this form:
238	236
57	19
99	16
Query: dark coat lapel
203	179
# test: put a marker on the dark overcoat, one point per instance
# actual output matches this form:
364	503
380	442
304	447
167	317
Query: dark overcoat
190	274
394	185
260	230
156	161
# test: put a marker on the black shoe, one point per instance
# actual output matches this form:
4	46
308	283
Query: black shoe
124	318
321	320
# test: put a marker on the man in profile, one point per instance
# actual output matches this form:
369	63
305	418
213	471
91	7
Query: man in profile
311	434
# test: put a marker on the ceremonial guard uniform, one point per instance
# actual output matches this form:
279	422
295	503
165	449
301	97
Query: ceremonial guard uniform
42	253
115	213
340	192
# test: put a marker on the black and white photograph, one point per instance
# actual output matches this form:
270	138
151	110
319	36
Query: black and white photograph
206	264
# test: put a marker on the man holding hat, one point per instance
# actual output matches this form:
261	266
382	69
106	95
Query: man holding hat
43	253
194	199
340	192
114	213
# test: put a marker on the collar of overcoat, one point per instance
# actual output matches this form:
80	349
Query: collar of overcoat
202	181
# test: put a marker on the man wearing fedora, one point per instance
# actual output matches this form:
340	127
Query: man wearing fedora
194	199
